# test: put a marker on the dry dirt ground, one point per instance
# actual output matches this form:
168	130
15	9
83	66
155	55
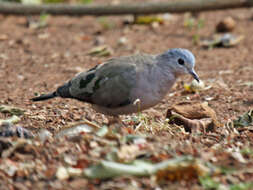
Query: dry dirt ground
38	60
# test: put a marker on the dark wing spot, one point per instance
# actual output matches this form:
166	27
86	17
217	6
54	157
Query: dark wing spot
89	77
96	85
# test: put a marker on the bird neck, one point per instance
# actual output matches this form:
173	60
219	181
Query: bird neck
165	67
165	78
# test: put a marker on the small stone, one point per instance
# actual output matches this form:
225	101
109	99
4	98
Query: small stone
62	173
122	41
226	25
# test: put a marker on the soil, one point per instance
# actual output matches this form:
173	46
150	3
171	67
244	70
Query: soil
39	60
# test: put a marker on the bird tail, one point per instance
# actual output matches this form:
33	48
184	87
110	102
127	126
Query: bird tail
44	97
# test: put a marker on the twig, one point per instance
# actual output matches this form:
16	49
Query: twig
122	9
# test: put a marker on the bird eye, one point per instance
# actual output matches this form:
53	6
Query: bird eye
180	61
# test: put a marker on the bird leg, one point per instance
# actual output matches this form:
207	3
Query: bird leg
114	120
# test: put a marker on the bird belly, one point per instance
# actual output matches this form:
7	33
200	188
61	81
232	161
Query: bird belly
140	104
116	111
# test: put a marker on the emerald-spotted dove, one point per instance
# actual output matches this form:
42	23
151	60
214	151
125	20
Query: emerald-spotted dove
113	87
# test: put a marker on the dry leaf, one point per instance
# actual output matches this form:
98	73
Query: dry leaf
148	20
193	116
12	110
182	171
184	167
101	51
76	128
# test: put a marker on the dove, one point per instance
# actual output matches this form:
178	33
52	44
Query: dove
113	87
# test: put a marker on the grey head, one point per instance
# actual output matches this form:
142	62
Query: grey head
179	61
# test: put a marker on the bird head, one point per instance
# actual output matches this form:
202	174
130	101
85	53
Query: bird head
180	61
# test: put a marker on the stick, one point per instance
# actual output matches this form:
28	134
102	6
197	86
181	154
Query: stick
123	9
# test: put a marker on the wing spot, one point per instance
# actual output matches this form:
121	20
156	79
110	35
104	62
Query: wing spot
89	77
96	85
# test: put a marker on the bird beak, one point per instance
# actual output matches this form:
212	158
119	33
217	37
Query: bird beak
194	75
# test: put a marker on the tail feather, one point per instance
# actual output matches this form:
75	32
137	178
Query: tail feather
44	97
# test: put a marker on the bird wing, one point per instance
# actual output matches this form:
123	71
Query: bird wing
109	84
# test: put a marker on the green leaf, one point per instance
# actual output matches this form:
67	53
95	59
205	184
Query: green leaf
208	183
242	186
86	1
106	23
53	1
201	23
247	151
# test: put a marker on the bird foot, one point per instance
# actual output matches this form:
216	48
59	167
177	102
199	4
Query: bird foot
116	122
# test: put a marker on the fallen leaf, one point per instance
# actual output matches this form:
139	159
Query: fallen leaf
193	116
175	168
101	51
244	120
148	20
187	170
12	110
76	128
13	119
226	40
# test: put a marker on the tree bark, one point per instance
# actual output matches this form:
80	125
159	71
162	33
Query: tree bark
122	9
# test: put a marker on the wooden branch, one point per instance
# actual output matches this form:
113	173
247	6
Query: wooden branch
121	9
